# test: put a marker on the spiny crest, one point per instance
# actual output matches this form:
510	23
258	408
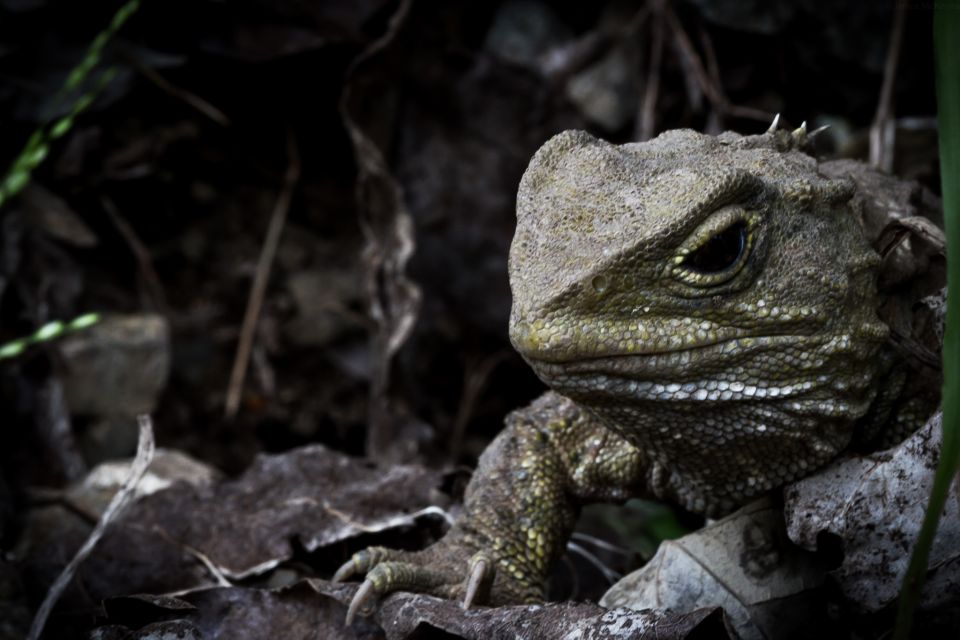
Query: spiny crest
800	139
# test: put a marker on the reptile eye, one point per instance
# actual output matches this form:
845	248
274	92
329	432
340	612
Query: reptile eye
721	252
716	251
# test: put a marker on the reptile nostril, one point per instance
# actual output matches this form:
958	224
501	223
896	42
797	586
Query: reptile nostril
600	283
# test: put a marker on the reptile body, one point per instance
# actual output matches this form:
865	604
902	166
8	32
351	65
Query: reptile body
705	311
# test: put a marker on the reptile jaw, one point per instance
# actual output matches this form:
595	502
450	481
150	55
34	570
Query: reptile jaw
580	339
796	365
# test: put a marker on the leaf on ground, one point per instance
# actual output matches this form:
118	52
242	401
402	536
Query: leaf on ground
189	537
316	609
743	563
298	611
407	616
874	506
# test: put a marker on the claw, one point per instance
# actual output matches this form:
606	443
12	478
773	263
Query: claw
362	602
347	570
773	125
479	573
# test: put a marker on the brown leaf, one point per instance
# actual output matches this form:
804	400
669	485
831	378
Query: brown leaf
743	563
873	505
189	537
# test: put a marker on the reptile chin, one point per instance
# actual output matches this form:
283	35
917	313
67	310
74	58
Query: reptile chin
792	366
770	407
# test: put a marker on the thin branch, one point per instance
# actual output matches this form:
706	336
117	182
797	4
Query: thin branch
201	557
258	289
883	129
646	123
142	255
560	63
715	118
145	451
602	544
180	93
608	573
475	379
710	89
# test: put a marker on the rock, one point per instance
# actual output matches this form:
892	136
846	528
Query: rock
93	493
119	366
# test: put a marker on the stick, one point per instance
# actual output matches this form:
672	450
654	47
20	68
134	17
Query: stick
259	287
646	121
883	130
141	254
145	450
710	89
180	93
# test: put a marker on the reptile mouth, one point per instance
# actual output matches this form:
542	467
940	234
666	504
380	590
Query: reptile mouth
712	372
658	364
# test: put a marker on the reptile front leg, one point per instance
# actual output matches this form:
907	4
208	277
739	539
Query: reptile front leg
519	510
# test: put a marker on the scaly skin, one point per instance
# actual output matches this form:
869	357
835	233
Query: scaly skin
705	310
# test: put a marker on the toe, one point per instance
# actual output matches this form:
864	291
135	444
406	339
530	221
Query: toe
363	561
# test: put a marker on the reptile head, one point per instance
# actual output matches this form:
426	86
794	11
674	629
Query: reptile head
712	299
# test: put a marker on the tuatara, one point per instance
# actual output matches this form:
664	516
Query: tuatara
705	311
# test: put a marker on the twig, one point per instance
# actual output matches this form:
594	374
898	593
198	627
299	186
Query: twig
646	123
145	451
713	65
710	89
258	289
140	252
883	130
560	63
600	543
203	558
608	573
180	93
715	117
475	379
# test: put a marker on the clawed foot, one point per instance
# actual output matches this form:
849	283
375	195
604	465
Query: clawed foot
439	570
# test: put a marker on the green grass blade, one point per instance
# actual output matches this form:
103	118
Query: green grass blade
946	27
50	331
38	145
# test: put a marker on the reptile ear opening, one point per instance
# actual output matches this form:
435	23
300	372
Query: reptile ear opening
717	250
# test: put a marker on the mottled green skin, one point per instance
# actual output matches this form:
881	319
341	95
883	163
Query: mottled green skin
703	389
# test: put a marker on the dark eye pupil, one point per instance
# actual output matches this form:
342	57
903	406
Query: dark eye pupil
720	252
